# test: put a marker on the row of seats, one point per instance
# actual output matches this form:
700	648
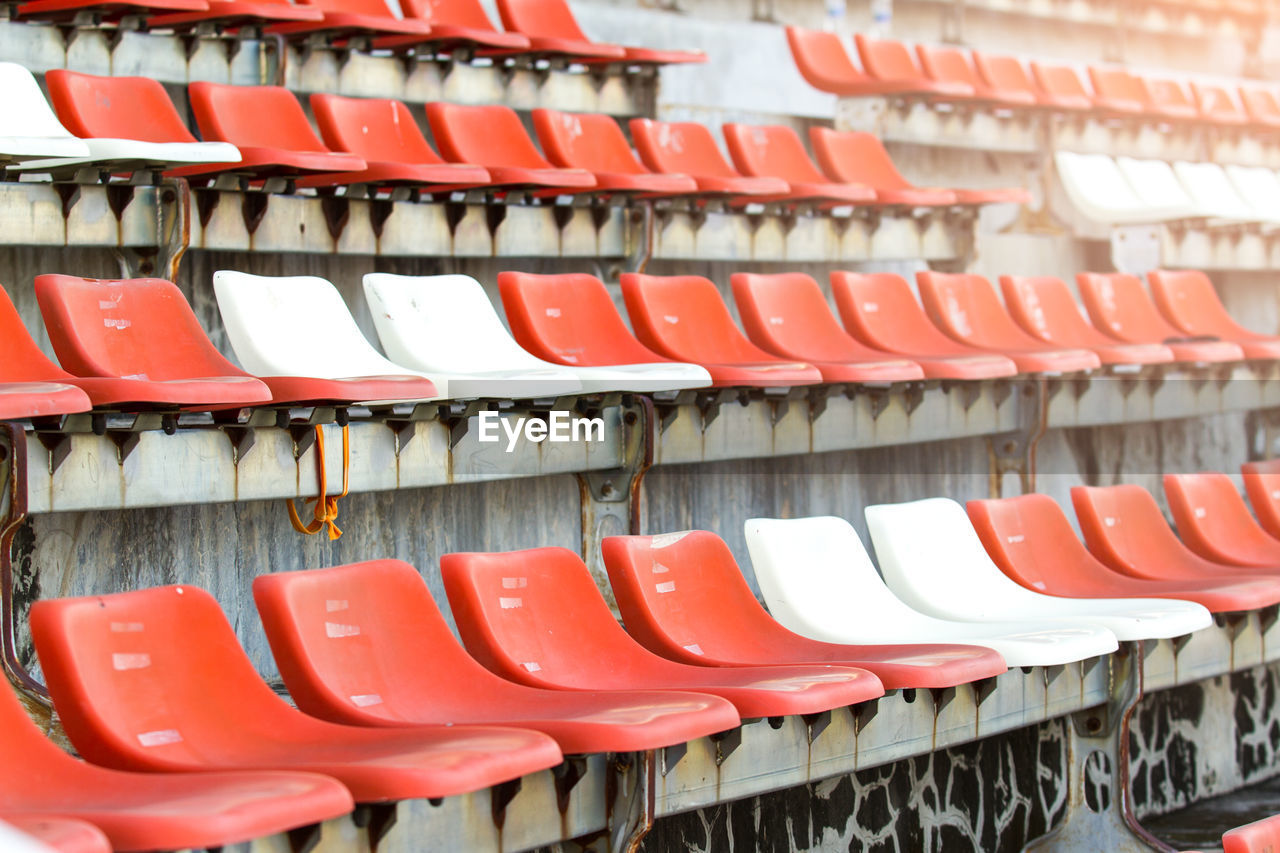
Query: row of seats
1125	191
539	29
935	73
390	706
256	133
130	344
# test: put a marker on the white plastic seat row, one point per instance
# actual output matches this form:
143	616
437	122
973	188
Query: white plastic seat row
441	327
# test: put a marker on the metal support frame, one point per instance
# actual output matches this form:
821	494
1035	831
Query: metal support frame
13	513
1015	452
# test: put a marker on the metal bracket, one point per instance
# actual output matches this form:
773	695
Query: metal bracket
1016	451
173	234
13	514
1099	803
631	798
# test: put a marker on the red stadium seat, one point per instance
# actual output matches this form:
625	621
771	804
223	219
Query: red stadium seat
596	143
859	157
787	315
146	811
1119	306
823	61
493	137
61	834
536	617
683	596
1061	88
31	386
879	310
775	151
269	127
155	680
1214	521
1123	527
461	23
1043	305
684	318
950	65
138	342
1216	104
1262	106
967	308
687	148
1031	540
1188	300
1119	91
233	14
1171	100
346	19
1262	485
66	11
385	135
1261	836
1007	78
551	28
405	668
889	63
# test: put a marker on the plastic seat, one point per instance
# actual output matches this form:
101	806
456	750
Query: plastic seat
860	158
687	148
684	318
405	668
1117	90
1171	100
819	582
461	23
66	11
967	308
1123	527
1262	106
1061	88
26	834
155	680
950	65
1031	540
493	137
128	123
890	65
296	333
775	151
345	19
1259	187
29	130
446	327
136	342
1262	485
1044	306
145	811
1006	78
1216	104
1162	194
1188	300
268	126
1119	306
596	143
949	574
31	386
1261	836
233	14
1213	193
1214	521
822	60
384	134
551	28
879	310
787	315
571	320
683	596
1100	191
536	617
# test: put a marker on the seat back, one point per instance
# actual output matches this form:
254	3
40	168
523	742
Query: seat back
966	307
115	107
453	13
1123	527
483	135
787	315
1004	73
378	130
947	65
21	360
1119	84
141	327
366	636
1261	836
24	745
1213	519
537	616
886	60
569	319
1212	191
1044	306
1117	303
1259	187
1096	185
880	310
153	675
1030	538
770	151
585	141
540	19
822	60
1059	80
1189	301
1216	103
683	317
683	148
1157	185
1169	94
252	117
1262	485
295	326
855	157
683	593
441	323
26	112
372	8
1262	105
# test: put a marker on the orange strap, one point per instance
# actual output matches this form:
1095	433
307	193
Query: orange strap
326	511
